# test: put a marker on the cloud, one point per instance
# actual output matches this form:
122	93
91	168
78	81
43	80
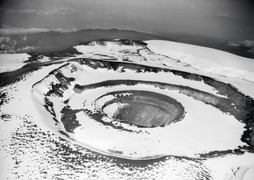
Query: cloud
53	11
65	30
14	30
4	39
230	15
27	48
7	45
248	44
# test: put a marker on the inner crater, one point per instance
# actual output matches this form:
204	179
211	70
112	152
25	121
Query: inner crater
142	108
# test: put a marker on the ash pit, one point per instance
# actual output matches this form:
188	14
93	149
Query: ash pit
143	108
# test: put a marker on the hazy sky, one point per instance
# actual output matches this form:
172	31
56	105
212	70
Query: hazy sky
225	19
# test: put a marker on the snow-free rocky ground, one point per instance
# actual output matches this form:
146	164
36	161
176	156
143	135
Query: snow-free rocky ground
122	109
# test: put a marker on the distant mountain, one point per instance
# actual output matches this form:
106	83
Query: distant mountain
45	42
53	41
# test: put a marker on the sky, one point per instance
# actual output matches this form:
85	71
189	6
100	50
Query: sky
223	19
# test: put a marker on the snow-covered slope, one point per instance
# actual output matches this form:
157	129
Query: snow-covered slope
205	59
10	62
196	124
73	116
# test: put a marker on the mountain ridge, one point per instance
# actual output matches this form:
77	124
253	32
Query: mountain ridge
45	42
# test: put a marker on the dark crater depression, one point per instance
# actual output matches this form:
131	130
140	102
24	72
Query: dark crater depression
144	108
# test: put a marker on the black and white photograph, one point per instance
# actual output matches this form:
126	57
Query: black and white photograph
127	90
